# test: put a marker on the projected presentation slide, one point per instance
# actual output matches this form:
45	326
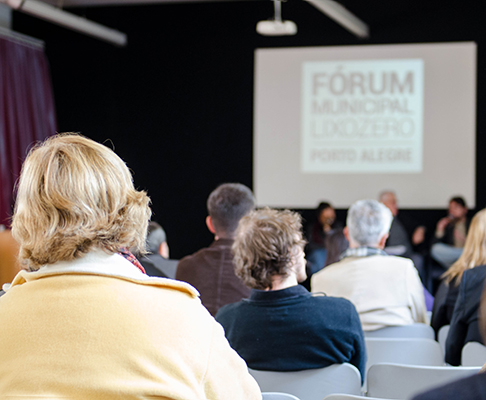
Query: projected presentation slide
345	123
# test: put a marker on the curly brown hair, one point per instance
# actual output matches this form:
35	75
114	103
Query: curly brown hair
265	246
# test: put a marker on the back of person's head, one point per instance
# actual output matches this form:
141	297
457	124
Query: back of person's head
367	222
155	237
336	243
385	194
266	245
389	199
227	204
474	252
458	200
75	195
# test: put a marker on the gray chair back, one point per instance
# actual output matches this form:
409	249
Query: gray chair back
311	384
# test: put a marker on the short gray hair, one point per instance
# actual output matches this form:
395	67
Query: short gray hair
368	221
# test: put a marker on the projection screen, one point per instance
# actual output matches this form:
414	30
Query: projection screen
345	123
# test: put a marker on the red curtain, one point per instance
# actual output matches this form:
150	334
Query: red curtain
27	112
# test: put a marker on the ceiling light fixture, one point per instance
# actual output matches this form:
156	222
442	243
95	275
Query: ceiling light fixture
68	20
342	16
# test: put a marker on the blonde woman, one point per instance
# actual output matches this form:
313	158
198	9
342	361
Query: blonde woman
473	255
83	320
463	285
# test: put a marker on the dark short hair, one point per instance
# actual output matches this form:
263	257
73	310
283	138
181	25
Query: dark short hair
265	245
227	204
155	237
321	207
459	200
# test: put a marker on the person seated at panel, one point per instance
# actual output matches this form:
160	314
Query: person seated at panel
317	232
157	262
470	388
77	316
386	290
400	242
450	233
211	270
281	326
472	260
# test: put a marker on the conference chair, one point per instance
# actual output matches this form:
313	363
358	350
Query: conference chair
418	330
396	381
311	384
416	351
278	396
442	336
473	355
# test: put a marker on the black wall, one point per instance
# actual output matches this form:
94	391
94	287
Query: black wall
177	102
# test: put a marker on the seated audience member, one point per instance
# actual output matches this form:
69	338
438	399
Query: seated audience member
337	244
283	327
386	290
450	233
399	242
211	270
472	259
470	388
325	224
84	321
464	321
157	262
9	249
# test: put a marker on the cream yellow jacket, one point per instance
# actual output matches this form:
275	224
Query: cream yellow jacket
98	328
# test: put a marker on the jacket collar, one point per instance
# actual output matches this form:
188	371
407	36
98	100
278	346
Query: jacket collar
222	243
100	263
275	295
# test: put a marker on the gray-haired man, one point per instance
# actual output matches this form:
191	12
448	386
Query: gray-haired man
386	290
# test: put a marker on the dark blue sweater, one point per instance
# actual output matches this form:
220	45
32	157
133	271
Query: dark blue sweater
292	330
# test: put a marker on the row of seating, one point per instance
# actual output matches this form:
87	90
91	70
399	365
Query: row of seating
385	381
397	368
473	353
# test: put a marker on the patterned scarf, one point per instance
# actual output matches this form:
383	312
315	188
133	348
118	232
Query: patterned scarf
363	251
125	253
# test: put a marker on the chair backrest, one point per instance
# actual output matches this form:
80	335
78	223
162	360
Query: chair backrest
473	355
350	397
403	351
278	396
407	331
395	381
442	336
311	384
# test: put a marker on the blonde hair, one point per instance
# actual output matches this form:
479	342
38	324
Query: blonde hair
265	245
75	195
474	252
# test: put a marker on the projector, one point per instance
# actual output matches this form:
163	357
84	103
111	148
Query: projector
276	28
